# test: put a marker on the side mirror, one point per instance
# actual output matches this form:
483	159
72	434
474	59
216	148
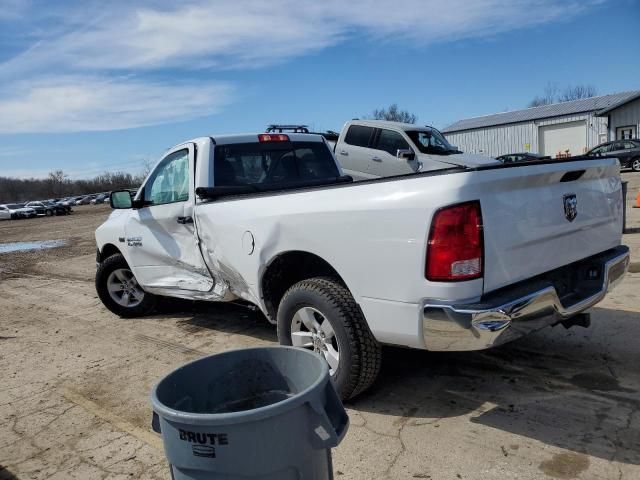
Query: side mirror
120	199
405	154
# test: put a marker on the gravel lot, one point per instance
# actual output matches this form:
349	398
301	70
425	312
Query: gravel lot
75	382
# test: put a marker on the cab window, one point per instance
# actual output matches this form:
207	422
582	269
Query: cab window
390	142
272	163
358	135
169	183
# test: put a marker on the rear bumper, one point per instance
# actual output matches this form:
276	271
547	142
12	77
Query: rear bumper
517	311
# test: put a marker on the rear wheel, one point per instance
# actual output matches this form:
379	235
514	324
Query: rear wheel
119	290
48	213
320	314
635	164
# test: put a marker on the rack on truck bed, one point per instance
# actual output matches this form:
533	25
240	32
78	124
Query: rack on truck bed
330	135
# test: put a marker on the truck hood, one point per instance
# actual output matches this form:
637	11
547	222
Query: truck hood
461	159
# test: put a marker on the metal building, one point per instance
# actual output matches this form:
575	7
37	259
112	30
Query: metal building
559	129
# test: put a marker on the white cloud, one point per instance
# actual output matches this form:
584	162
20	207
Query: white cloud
231	33
74	64
89	103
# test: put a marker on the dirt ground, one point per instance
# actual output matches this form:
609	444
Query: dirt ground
75	382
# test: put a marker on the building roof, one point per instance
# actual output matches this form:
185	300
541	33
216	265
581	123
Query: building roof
600	105
606	110
388	124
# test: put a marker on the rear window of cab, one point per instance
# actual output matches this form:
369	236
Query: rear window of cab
272	163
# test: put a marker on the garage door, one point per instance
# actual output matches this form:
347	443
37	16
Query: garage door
571	136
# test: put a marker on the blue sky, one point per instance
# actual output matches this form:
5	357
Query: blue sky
92	86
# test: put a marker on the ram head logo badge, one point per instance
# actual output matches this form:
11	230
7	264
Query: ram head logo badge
570	206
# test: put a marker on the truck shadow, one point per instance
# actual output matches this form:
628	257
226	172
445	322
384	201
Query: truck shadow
557	387
199	317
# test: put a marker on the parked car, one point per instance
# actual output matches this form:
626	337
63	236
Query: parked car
84	200
5	213
458	258
19	210
64	208
107	199
627	151
369	149
522	157
98	199
29	212
58	208
41	209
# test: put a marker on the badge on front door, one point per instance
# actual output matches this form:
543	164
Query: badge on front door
570	206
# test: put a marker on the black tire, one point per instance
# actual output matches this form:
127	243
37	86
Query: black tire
360	354
108	266
48	213
635	164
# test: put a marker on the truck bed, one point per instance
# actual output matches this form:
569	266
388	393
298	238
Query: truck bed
375	231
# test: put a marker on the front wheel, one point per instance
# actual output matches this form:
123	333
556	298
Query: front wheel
119	290
635	164
320	314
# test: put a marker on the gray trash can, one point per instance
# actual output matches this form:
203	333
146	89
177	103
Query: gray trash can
259	413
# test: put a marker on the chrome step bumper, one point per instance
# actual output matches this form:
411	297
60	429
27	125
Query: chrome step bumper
514	313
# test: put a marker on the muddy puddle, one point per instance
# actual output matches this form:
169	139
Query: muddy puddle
29	246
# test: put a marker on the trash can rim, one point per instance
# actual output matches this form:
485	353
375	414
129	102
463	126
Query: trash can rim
168	413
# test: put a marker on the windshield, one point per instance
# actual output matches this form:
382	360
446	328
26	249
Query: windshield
431	140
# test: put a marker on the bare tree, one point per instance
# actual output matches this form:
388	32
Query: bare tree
548	97
394	114
57	184
146	168
577	92
57	180
553	95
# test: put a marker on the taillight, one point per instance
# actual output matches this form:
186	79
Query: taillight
273	137
455	250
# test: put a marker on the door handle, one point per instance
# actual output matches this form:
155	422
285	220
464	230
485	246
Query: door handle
185	220
376	159
344	152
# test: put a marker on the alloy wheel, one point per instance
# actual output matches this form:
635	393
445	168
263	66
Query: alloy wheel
310	329
124	288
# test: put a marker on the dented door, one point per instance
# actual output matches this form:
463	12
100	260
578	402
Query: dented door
161	237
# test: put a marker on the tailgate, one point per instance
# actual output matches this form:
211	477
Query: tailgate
542	216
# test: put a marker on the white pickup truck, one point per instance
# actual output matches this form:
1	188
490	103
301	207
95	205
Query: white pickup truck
369	149
464	257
